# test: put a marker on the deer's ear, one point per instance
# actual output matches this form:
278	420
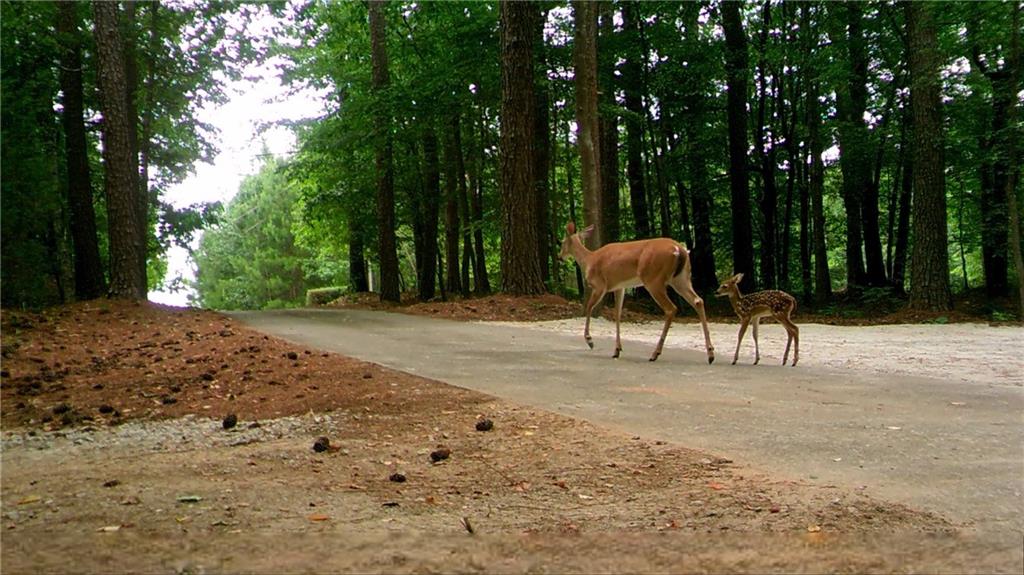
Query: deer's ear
738	277
570	228
587	231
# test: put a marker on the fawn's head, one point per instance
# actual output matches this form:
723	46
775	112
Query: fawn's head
729	286
570	231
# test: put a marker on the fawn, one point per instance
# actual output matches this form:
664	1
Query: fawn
775	303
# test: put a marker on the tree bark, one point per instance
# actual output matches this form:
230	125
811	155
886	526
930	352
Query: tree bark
739	186
131	68
520	268
89	280
929	264
386	241
127	279
588	133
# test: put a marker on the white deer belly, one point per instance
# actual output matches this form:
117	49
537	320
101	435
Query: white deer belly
626	284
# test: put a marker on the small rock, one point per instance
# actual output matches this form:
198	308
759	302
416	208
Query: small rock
292	355
230	421
255	425
484	425
440	454
112	483
106	409
397	478
62	408
322	444
168	400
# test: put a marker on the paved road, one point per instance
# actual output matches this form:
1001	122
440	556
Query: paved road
953	448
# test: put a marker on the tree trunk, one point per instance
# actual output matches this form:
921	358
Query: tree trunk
816	177
702	253
357	275
482	283
425	216
463	198
995	166
588	133
520	268
631	79
386	241
1013	159
89	280
542	146
929	263
769	193
739	186
609	127
453	283
127	279
131	70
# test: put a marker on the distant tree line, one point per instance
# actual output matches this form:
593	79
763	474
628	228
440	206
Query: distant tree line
813	146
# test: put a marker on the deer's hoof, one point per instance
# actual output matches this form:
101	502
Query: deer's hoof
711	359
616	354
590	343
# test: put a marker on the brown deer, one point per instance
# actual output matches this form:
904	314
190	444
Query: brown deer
778	304
654	264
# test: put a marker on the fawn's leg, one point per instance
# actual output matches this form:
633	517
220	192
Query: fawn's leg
794	336
757	350
620	297
744	321
660	295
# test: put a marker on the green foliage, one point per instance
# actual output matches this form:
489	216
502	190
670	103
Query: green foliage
250	259
322	296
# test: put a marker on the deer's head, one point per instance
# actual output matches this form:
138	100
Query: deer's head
570	234
729	286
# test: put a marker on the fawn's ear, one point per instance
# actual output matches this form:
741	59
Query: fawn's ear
585	233
738	277
570	228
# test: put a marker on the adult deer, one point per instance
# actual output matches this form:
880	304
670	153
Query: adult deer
775	303
654	264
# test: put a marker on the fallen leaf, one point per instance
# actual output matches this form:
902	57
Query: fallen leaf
189	499
813	528
30	499
716	486
109	529
318	517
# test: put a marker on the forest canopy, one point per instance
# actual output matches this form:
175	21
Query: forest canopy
816	147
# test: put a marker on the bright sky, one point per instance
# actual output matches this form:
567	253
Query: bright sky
251	104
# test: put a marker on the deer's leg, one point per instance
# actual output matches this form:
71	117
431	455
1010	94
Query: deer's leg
595	296
757	351
683	288
620	297
739	340
794	337
660	295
